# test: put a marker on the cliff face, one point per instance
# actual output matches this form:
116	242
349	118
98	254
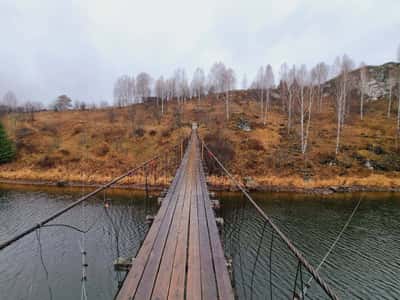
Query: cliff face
380	81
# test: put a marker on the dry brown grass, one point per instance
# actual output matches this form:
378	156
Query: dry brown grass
60	146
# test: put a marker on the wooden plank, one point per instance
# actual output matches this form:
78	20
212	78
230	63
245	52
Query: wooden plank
224	284
162	283
132	279
208	281
178	282
182	256
193	285
145	287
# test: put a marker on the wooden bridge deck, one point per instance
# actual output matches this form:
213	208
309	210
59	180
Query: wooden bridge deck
182	255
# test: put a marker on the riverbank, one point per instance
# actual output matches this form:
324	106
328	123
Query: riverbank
372	183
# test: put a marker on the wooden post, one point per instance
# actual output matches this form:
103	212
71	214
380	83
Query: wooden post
145	180
181	149
202	151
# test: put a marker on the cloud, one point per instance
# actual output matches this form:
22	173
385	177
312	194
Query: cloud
79	47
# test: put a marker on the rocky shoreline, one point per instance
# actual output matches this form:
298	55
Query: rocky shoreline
213	187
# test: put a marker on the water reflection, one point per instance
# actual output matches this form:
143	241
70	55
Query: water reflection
364	265
23	275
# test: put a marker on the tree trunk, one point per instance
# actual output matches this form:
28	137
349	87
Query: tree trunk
262	102
227	105
319	98
390	102
302	118
362	106
308	121
266	107
289	110
339	124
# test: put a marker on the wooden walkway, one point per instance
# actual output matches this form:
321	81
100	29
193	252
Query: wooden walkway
182	255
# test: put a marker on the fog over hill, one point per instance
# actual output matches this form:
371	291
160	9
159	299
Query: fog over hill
79	48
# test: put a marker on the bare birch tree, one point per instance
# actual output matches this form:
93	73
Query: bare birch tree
363	87
345	65
160	91
291	86
302	80
398	94
123	91
180	85
269	84
10	100
283	90
216	78
143	85
391	83
320	74
198	83
259	85
229	84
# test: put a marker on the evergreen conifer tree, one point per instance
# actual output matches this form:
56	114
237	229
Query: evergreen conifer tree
7	149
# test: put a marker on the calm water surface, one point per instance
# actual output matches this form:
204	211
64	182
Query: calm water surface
47	265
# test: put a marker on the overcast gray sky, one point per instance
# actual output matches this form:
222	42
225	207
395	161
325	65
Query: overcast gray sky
79	47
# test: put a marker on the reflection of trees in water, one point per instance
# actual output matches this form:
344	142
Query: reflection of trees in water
262	265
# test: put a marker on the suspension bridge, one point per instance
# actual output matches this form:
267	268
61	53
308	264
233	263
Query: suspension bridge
182	255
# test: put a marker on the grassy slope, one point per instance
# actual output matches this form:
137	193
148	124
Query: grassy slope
50	148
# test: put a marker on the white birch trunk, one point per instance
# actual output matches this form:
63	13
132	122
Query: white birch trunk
302	117
362	106
309	120
227	104
339	124
390	102
290	110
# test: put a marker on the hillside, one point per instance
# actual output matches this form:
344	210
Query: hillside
50	148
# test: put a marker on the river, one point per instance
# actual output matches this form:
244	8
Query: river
365	263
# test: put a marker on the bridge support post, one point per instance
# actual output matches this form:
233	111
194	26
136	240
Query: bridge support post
215	204
146	183
181	150
202	152
149	219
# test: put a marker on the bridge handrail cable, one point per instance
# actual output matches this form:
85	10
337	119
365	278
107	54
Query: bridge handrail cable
285	239
40	224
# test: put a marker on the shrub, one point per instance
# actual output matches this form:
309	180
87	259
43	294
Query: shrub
222	148
326	159
47	162
23	132
140	132
28	147
102	150
166	133
7	148
254	144
64	152
387	162
49	128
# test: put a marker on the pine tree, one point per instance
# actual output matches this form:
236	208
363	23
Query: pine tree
7	149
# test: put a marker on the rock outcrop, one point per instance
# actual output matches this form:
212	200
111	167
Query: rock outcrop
380	80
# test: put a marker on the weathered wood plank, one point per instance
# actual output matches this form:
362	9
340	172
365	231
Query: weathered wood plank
178	279
182	255
224	285
208	281
193	286
162	283
132	279
145	287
